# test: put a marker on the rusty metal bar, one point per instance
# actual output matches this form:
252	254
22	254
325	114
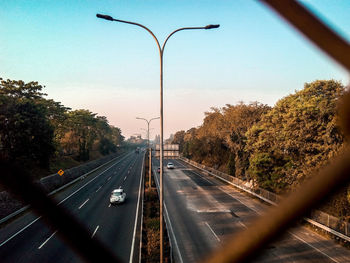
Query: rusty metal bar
313	29
247	244
69	229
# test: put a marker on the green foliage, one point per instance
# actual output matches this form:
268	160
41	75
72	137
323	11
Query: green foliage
301	128
231	166
152	223
275	147
26	134
17	89
106	146
221	137
35	130
179	138
269	170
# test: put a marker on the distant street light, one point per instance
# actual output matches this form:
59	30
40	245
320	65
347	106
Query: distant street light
161	52
149	150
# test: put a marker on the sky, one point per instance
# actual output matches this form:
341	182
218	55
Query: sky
112	68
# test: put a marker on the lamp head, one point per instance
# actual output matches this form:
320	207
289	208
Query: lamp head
105	17
212	26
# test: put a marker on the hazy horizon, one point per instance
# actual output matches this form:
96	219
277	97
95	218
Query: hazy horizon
112	69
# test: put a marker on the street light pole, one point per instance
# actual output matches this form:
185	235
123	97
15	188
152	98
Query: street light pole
149	150
161	52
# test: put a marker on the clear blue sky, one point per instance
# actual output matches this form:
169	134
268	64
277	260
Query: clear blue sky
113	69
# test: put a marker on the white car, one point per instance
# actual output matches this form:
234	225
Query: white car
170	166
117	196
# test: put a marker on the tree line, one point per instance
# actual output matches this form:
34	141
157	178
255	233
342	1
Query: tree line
36	131
276	147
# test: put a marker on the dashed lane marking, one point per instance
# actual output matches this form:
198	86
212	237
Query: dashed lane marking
217	238
43	244
83	203
242	224
95	231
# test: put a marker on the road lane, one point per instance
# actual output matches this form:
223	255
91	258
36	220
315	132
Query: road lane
205	212
111	224
192	240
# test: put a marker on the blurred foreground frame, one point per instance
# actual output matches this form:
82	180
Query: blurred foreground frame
247	245
70	230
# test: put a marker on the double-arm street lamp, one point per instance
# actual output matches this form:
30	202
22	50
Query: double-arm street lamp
149	150
161	52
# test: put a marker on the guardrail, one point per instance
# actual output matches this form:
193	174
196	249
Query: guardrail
168	226
319	219
57	183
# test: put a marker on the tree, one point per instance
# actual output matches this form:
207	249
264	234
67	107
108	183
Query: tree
222	137
179	139
116	136
237	120
26	134
83	132
18	89
298	135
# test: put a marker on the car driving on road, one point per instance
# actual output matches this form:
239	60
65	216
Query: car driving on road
117	196
170	166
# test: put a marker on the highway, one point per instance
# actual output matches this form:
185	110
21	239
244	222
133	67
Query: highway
202	212
28	239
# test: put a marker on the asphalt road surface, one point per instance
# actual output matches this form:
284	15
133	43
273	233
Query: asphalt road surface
201	212
28	239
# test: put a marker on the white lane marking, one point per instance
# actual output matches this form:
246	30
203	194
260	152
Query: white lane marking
124	178
238	199
258	212
7	240
300	239
95	231
43	244
313	247
171	227
83	203
137	212
218	239
88	182
3	243
109	205
98	189
214	211
242	224
109	178
141	229
172	231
